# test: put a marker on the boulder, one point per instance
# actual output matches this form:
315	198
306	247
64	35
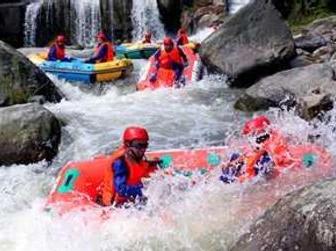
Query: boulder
310	42
20	79
325	27
304	220
28	133
292	87
204	14
253	43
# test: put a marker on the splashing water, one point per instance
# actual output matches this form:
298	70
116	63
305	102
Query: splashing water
88	21
236	5
198	213
30	25
85	22
146	17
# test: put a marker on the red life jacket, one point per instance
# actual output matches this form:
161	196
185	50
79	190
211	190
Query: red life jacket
166	59
110	52
136	171
183	39
60	52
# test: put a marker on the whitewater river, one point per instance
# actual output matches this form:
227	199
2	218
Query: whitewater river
206	216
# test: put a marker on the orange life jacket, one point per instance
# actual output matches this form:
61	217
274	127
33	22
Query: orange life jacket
136	171
250	163
60	52
166	59
183	39
276	147
110	52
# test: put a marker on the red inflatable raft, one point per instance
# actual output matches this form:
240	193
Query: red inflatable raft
165	77
79	184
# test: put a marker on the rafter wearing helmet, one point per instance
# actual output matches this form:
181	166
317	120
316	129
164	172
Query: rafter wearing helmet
129	167
170	57
57	50
104	51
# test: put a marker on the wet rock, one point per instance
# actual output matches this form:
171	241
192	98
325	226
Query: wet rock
301	60
28	133
204	14
20	79
304	220
310	42
253	43
294	87
312	105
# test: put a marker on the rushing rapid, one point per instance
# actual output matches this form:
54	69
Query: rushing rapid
180	214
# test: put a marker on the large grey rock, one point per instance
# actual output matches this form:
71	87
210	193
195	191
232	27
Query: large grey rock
292	85
20	79
28	133
253	43
304	220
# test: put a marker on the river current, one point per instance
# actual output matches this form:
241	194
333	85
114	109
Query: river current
180	215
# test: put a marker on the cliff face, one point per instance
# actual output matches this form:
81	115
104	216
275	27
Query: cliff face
12	21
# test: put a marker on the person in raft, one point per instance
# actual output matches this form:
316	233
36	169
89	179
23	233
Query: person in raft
57	50
148	38
182	37
104	51
129	167
267	155
170	57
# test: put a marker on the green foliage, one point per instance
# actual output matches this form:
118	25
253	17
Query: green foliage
304	12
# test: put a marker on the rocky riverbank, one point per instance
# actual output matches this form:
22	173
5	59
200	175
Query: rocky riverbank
255	48
28	132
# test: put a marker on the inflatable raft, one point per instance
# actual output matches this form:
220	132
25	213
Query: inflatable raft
136	50
166	78
76	70
80	184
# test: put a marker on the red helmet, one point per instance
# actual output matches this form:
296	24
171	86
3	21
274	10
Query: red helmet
60	38
168	41
256	125
102	36
135	133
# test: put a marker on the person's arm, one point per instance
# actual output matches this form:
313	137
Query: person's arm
52	53
183	55
156	58
100	54
120	181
